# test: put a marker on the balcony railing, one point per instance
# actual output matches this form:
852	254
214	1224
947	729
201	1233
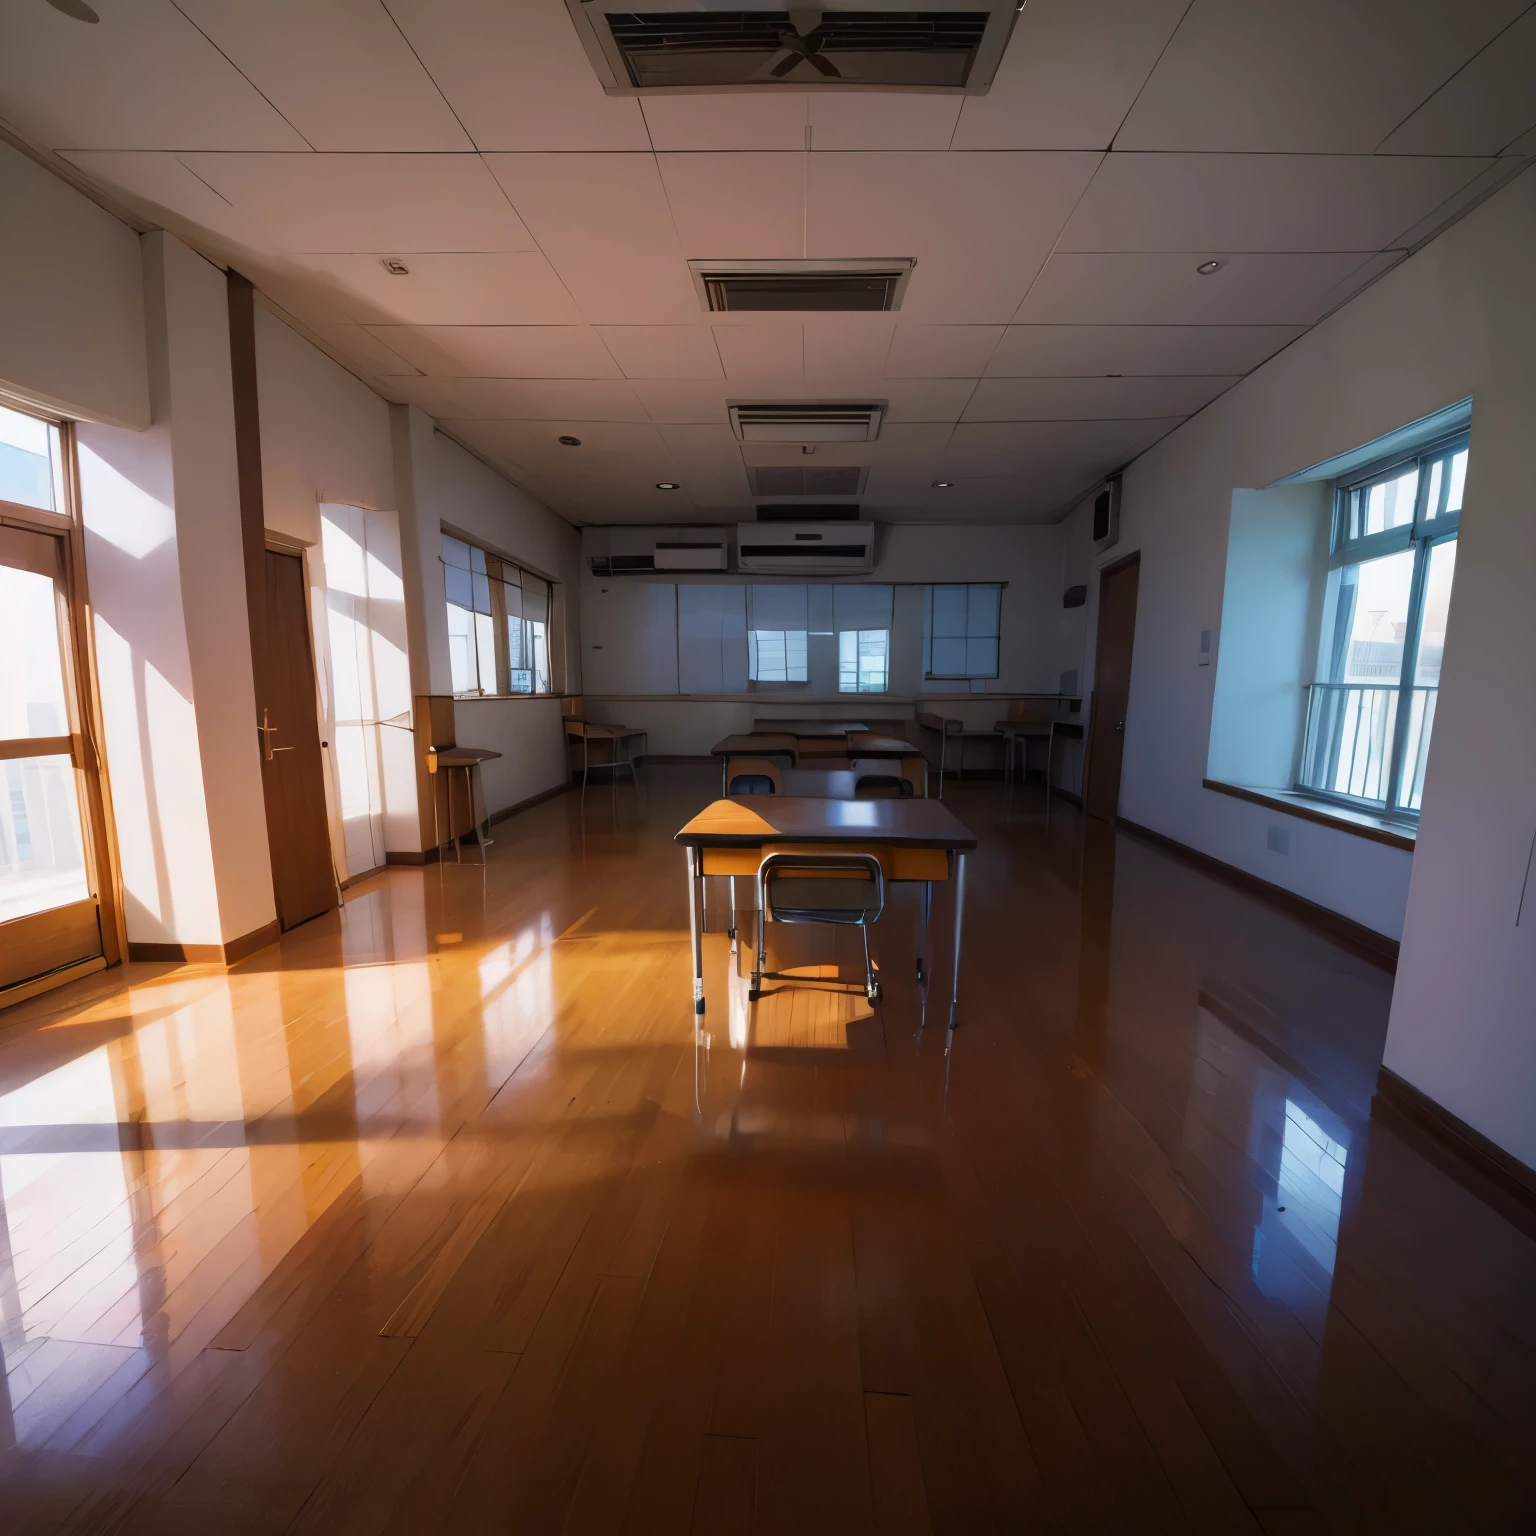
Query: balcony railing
1351	734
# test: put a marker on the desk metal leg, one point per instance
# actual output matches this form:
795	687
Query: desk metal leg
924	911
943	755
484	838
1050	753
954	996
732	879
694	864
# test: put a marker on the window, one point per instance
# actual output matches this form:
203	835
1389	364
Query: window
960	632
863	660
498	623
1372	710
31	469
778	635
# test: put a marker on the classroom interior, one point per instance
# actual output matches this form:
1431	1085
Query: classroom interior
751	778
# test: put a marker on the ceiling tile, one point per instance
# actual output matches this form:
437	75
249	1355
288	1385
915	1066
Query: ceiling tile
844	345
1162	202
1312	76
760	351
521	399
941	351
603	222
1486	105
1094	351
663	351
340	72
979	225
683	401
605	446
882	120
360	346
464	288
501	351
143	78
1080	450
1164	289
745	207
386	204
727	121
1069	399
516	75
1071	72
160	187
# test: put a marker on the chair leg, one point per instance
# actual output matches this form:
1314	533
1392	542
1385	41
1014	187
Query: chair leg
871	986
732	879
755	991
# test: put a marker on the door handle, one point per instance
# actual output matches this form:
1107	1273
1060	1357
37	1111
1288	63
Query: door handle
1119	726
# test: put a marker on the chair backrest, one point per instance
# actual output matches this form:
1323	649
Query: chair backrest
846	887
881	786
753	776
1033	711
573	707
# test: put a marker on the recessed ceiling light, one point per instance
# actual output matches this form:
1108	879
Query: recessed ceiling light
668	485
571	442
943	485
76	10
394	266
1207	267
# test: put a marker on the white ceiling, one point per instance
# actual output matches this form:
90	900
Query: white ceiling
1053	328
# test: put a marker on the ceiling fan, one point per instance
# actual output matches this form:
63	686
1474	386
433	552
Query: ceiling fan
803	41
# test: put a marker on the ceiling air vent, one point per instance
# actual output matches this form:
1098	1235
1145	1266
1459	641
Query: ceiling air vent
840	423
833	285
792	480
951	47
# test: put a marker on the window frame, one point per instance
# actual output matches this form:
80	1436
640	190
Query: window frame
500	573
929	675
1422	533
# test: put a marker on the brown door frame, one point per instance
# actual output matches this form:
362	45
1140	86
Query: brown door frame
92	782
1123	563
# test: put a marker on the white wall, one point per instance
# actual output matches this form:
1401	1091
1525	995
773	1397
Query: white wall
71	300
167	578
629	636
441	485
1456	320
1271	615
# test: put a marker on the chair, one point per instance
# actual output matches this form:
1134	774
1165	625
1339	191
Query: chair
620	739
1031	720
948	730
841	889
890	778
753	776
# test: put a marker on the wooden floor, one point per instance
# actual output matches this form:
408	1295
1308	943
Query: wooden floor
434	1219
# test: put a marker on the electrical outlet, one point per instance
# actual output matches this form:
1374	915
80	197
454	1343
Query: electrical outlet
1279	839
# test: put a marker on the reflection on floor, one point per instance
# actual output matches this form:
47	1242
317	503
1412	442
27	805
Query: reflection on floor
436	1219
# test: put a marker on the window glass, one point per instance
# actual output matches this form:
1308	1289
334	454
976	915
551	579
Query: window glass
32	672
29	461
41	862
1379	591
778	655
491	601
962	630
862	660
1437	605
1386	504
1458	481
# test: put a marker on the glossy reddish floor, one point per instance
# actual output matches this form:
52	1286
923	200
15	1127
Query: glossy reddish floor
434	1219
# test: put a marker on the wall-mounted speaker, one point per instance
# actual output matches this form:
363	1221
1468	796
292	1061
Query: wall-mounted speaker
1074	597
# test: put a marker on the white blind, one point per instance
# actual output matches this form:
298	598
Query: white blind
777	607
861	607
711	638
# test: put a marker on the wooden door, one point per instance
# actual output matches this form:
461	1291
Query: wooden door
1111	685
292	769
54	874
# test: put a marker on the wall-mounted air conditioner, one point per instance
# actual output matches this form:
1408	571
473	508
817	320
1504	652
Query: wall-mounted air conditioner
637	552
951	47
805	549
